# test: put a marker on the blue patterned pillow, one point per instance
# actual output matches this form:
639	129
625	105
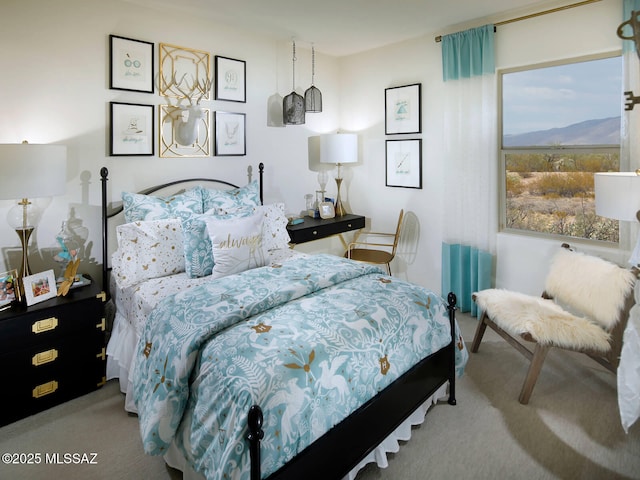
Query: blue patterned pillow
247	196
138	207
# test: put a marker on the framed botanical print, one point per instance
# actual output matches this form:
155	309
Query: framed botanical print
132	129
130	64
403	109
231	79
404	163
230	133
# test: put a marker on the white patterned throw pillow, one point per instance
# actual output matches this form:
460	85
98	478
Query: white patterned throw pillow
148	250
236	244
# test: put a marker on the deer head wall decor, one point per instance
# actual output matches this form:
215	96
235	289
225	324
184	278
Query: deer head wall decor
186	119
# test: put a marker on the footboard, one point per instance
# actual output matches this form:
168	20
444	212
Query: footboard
355	437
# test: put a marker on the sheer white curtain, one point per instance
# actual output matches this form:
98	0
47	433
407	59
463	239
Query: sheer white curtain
470	164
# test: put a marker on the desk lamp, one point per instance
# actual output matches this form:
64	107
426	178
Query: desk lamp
30	171
339	148
618	197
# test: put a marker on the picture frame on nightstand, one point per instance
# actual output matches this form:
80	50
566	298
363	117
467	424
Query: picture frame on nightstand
8	291
39	287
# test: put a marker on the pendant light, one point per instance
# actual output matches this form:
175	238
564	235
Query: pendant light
313	96
293	104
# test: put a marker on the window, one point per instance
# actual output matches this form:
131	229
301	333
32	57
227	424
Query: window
560	124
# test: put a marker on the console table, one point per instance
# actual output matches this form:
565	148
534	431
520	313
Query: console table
317	228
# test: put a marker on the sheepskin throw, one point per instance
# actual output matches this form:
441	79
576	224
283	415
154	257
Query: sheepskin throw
593	286
548	324
593	289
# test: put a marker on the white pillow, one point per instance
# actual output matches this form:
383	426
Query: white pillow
275	234
148	250
236	243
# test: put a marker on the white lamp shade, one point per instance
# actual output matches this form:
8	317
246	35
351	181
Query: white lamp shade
339	148
32	171
617	195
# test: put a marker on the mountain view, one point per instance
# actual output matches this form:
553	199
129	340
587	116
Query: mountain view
604	131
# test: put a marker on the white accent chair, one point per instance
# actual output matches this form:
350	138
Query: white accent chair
584	307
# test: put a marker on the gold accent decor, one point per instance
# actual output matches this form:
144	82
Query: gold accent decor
44	325
102	296
45	389
102	325
44	357
175	62
102	355
102	382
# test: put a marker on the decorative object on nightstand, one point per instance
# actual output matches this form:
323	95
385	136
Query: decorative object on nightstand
618	197
313	96
30	171
293	104
339	148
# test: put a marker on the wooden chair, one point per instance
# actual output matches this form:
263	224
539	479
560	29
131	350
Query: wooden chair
584	307
365	252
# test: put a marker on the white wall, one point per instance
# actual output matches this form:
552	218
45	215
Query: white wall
521	261
54	89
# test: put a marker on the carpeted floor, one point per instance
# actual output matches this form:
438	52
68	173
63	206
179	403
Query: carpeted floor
570	430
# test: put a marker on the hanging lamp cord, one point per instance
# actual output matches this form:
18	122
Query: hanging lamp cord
294	65
313	64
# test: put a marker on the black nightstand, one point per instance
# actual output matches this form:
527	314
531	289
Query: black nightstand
51	352
317	228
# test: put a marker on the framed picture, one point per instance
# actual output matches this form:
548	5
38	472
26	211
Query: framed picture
403	109
132	129
231	79
39	287
130	64
230	133
327	210
404	163
9	292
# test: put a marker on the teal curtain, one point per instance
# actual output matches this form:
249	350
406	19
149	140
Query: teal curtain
465	270
629	6
468	54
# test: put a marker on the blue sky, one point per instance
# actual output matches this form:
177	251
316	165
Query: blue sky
562	95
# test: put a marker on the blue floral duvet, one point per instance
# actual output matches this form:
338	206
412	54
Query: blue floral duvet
309	341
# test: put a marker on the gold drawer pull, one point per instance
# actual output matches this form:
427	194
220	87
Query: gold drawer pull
315	232
102	325
45	389
102	382
44	357
44	325
102	355
349	225
102	296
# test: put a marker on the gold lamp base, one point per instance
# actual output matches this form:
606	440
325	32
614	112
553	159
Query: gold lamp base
25	234
339	207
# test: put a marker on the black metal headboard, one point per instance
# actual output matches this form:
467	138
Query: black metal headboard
108	213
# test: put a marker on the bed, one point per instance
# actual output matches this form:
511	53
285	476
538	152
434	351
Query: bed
264	363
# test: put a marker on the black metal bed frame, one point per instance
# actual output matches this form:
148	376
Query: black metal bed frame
338	451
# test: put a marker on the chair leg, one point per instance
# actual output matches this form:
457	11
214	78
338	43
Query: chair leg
482	326
539	354
389	269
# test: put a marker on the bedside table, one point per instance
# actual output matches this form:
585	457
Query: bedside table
317	228
52	351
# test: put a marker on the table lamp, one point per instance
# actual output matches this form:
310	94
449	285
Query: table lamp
339	148
618	197
30	171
